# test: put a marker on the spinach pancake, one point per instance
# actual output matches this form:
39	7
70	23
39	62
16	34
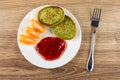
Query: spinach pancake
66	29
51	15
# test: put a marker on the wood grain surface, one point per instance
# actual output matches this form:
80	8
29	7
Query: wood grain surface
13	66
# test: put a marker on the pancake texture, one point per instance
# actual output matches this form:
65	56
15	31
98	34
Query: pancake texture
66	29
51	15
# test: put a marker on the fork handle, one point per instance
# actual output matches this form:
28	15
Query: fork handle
90	62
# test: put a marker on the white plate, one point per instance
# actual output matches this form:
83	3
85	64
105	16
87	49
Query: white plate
29	52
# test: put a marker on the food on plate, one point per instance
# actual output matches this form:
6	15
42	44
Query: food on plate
51	15
32	33
25	39
51	48
66	29
37	26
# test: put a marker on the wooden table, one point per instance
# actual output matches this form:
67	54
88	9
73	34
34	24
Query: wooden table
13	66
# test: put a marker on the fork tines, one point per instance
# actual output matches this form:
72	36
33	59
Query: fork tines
96	16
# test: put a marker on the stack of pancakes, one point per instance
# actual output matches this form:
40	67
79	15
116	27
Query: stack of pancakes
61	24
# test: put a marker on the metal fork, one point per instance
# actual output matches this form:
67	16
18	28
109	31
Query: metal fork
94	23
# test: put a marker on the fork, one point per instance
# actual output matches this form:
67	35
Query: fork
94	23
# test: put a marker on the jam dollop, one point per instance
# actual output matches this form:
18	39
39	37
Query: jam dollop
51	48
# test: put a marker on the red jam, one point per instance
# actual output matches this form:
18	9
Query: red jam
51	48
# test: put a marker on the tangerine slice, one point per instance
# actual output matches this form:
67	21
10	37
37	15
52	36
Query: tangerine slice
36	29
32	33
24	39
37	26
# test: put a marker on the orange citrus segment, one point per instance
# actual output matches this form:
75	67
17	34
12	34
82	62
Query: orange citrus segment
37	26
26	39
36	29
32	33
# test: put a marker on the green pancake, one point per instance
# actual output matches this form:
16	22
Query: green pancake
66	29
51	15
